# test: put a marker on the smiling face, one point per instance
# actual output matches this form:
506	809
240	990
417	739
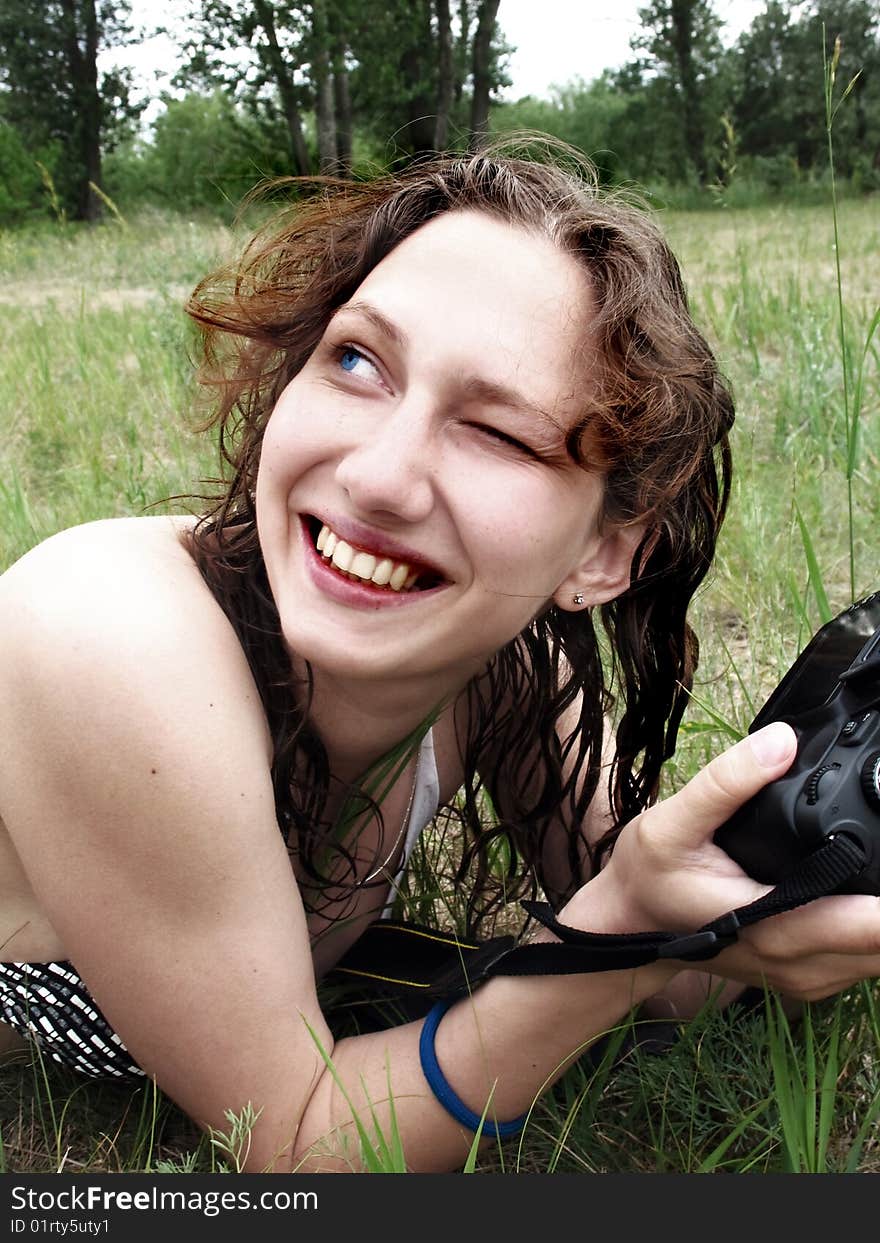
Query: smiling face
416	504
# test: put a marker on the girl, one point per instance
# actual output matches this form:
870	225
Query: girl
473	437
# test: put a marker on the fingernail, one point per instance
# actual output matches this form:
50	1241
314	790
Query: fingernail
772	744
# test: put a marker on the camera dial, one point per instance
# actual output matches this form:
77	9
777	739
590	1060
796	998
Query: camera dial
870	780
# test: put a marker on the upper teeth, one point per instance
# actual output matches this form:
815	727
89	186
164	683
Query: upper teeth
353	561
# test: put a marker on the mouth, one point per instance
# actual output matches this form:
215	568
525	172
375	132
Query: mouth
369	568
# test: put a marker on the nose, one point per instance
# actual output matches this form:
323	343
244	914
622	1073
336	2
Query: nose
389	471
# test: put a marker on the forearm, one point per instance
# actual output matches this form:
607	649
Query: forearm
508	1042
505	1044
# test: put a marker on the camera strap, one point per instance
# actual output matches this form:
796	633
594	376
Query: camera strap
400	958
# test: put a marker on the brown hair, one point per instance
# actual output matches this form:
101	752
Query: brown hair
659	425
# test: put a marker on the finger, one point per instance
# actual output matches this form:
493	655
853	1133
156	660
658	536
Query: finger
812	952
847	924
732	778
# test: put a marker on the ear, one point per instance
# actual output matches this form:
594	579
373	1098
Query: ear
604	571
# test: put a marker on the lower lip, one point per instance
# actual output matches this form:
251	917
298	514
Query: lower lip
348	591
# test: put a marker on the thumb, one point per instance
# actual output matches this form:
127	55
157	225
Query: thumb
730	780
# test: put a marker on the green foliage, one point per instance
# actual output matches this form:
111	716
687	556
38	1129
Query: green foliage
21	182
682	53
684	115
279	88
379	61
584	114
775	68
206	151
53	93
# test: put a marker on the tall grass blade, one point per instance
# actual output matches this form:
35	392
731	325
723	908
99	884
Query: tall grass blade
809	1100
831	109
857	397
391	1149
581	1110
713	1160
828	1092
817	582
867	1127
377	1154
788	1086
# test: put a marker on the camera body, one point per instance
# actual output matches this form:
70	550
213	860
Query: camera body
831	697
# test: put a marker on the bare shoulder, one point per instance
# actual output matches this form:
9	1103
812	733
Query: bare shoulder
117	667
115	607
103	568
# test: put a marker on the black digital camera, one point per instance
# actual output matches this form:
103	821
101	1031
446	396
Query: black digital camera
831	697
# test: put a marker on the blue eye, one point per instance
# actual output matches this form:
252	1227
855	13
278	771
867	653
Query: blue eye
355	362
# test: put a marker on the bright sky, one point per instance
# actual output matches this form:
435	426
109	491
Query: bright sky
556	40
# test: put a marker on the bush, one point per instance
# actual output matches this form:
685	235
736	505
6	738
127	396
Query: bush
580	113
205	152
22	190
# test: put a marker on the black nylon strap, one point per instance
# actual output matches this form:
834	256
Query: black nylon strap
819	874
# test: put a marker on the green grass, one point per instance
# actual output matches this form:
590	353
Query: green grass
95	403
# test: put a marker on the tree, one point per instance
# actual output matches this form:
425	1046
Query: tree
487	13
586	115
255	49
51	91
777	106
206	151
445	74
681	38
763	100
392	69
413	67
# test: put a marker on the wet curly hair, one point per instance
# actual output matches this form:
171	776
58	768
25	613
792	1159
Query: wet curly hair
658	424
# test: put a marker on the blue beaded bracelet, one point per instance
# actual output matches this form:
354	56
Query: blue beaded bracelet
444	1093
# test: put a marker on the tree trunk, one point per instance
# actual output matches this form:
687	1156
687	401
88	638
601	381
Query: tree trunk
341	100
682	15
284	81
462	44
82	62
488	11
322	79
445	81
417	64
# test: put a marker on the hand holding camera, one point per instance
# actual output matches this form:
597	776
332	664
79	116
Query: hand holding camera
810	832
831	697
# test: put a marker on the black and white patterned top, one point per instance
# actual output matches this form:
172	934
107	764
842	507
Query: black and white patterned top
48	1002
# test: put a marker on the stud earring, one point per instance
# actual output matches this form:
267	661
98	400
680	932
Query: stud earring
578	597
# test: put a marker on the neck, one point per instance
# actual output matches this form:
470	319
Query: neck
361	721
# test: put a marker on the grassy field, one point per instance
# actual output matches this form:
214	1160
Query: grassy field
96	409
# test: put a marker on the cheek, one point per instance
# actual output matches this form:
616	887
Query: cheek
290	443
529	531
270	481
281	463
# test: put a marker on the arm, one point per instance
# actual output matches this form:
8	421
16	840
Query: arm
136	789
135	785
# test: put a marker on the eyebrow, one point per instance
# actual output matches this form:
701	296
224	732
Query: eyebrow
475	388
379	320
